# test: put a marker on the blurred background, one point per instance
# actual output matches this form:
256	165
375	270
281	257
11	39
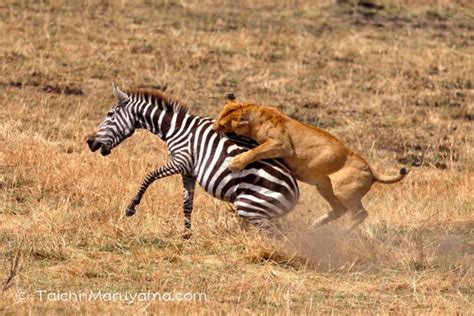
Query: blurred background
393	79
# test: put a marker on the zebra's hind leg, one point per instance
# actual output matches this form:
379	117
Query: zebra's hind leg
261	221
269	227
188	196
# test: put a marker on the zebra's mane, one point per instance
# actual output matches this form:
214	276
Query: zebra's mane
165	102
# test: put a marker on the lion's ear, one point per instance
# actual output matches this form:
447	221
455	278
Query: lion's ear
230	96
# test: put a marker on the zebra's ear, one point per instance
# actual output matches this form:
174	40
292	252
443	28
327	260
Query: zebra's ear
119	94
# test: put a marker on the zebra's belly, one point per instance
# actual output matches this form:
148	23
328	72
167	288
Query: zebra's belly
269	187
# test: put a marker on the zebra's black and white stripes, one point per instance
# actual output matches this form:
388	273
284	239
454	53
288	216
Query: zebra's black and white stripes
262	191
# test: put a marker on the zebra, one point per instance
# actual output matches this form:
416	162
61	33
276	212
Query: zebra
261	192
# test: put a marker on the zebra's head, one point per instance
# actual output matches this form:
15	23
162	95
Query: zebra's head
118	124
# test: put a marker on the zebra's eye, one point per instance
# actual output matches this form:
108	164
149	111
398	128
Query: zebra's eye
110	113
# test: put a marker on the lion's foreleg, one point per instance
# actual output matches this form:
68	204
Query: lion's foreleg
269	149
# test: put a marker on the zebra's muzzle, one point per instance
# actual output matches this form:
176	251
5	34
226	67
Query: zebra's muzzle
105	150
93	145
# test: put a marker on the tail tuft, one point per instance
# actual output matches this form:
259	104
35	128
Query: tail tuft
390	179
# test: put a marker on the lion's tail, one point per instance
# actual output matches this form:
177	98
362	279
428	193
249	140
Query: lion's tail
390	179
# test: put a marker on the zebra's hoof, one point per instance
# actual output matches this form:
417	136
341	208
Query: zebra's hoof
187	234
130	211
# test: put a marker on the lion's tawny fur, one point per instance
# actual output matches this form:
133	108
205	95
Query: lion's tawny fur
314	155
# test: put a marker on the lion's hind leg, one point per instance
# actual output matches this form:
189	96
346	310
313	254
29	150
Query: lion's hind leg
350	185
324	188
359	214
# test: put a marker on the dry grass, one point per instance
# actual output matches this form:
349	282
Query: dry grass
394	83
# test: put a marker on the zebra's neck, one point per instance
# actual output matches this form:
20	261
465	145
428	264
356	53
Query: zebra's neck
160	122
161	116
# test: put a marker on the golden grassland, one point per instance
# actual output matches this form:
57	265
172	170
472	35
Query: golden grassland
395	82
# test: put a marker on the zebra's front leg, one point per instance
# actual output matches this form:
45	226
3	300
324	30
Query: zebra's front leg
189	183
167	170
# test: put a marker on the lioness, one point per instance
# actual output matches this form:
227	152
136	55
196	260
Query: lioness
316	157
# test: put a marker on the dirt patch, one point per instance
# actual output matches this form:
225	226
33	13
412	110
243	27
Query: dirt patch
67	90
311	105
161	87
423	152
370	13
411	160
324	248
327	249
469	116
48	88
453	246
448	100
316	251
